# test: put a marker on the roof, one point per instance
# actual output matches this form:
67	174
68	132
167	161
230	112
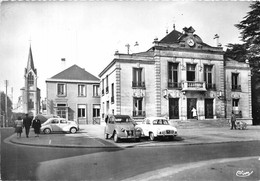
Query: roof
30	64
172	37
75	73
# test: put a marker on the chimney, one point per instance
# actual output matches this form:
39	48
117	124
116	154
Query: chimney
216	38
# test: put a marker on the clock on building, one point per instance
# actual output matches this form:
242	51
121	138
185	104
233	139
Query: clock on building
190	42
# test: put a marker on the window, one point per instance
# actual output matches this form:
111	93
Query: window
30	79
81	111
235	84
112	92
30	104
81	90
61	110
138	78
96	110
103	87
191	69
95	90
61	90
107	88
172	75
208	76
235	102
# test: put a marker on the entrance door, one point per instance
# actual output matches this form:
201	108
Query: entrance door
173	108
209	108
191	103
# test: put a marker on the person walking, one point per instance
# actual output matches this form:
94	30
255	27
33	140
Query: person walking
27	121
19	126
233	121
194	113
36	124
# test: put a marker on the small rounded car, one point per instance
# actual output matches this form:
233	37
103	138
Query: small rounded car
59	125
120	127
156	127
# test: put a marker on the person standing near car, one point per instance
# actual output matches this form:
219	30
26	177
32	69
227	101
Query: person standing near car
27	121
233	121
36	124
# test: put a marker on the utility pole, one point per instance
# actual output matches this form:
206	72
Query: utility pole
6	118
1	108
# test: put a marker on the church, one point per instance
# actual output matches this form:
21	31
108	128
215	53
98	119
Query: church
29	102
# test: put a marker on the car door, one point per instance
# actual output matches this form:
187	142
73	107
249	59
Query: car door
63	124
146	127
110	125
55	125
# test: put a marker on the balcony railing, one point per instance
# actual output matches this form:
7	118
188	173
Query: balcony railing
138	113
210	86
193	86
176	85
236	87
138	84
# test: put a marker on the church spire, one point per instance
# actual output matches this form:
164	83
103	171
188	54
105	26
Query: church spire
30	64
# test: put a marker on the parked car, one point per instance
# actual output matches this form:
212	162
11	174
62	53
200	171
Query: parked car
45	117
156	127
120	127
59	125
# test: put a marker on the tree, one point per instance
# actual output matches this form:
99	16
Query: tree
250	50
9	108
250	36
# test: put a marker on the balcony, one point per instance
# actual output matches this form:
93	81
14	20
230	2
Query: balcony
236	87
139	113
193	86
138	84
175	85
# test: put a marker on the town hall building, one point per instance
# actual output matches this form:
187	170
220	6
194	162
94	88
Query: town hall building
178	73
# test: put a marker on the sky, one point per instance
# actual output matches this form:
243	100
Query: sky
88	33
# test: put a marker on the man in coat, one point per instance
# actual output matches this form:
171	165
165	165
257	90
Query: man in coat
233	121
27	121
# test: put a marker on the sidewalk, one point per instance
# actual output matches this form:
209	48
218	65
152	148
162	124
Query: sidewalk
92	136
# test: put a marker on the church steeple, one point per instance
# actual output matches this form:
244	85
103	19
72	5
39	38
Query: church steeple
30	64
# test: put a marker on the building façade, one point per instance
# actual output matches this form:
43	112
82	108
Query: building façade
178	73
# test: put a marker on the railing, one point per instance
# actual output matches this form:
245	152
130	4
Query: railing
96	120
210	86
193	86
138	113
236	87
138	84
174	85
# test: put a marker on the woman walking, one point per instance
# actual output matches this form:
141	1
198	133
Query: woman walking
37	126
19	126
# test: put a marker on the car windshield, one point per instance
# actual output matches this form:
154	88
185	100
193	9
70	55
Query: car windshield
160	122
122	119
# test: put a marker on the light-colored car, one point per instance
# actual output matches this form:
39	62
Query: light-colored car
156	127
120	127
59	125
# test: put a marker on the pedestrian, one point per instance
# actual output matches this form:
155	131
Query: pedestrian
36	124
233	121
194	113
27	121
19	126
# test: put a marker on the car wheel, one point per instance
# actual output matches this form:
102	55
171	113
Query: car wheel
116	139
106	136
47	131
73	130
151	136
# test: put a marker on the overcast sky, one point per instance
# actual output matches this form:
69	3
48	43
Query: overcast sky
89	33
